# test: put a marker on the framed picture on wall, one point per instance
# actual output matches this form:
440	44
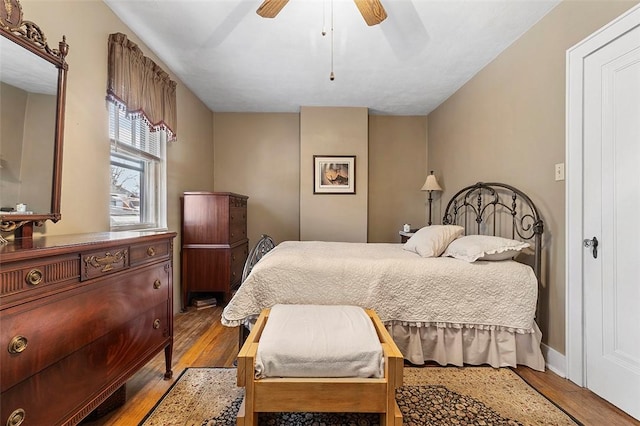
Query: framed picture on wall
334	174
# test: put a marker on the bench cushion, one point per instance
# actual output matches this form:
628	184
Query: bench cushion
319	341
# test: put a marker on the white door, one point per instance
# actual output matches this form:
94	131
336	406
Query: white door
611	214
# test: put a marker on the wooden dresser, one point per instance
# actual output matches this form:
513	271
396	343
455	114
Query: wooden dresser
79	315
214	242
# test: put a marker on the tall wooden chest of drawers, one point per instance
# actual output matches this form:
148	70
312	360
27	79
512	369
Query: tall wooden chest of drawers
214	242
80	314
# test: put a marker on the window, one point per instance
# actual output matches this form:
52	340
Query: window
138	173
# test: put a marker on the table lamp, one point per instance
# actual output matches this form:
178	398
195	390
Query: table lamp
430	185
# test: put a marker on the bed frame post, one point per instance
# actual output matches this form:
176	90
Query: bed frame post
243	334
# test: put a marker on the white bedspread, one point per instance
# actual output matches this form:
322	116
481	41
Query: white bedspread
399	285
319	341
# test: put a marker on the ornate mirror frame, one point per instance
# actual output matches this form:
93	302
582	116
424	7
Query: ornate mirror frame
29	36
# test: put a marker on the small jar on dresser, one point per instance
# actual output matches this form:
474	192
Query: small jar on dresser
214	243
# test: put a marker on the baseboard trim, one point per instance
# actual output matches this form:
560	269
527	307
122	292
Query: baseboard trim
555	361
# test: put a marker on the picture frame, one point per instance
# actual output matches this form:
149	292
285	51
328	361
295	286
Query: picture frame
334	174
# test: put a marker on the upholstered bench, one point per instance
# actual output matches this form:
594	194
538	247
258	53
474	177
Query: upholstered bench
297	360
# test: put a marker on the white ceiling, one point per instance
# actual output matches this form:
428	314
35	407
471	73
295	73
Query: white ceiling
237	61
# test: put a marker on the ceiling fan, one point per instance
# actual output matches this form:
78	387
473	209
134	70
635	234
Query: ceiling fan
371	10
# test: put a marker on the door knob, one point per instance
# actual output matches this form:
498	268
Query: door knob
593	243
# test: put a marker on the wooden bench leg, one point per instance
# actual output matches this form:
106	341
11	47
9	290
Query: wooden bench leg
249	416
393	418
240	416
246	418
397	416
393	373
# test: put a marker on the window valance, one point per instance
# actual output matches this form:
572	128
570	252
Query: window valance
136	84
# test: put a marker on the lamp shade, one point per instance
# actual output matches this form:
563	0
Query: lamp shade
431	184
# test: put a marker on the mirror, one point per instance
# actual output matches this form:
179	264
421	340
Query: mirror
32	100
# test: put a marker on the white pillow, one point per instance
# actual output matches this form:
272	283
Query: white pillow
431	241
484	247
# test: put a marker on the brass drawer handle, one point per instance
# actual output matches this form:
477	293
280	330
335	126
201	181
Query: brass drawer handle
34	277
105	264
16	418
156	324
157	284
151	251
17	345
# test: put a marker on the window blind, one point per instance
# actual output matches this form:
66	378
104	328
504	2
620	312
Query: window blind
132	131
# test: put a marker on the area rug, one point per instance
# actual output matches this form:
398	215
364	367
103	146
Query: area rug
429	396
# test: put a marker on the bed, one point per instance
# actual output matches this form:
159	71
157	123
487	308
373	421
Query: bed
438	300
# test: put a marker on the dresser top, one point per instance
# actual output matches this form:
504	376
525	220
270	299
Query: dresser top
228	194
59	244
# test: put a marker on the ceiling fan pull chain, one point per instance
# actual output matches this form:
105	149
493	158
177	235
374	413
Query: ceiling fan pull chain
324	15
332	76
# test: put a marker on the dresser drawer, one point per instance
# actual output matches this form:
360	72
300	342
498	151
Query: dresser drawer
34	275
78	380
103	262
238	257
151	252
36	338
237	224
235	202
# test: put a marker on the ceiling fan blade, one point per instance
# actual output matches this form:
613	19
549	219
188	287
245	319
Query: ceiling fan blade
372	11
270	8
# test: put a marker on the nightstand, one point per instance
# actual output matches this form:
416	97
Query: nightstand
404	236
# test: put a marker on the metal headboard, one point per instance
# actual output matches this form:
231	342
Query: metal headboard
262	247
497	209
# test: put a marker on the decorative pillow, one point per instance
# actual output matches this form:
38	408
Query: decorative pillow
431	241
484	247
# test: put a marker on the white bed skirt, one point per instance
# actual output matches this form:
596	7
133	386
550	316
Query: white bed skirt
459	346
463	345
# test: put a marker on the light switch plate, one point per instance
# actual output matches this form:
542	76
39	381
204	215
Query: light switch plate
559	174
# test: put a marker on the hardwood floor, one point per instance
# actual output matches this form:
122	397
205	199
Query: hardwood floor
581	403
202	341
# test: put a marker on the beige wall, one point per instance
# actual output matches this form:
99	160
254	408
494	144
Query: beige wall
507	124
258	155
85	169
397	171
333	131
